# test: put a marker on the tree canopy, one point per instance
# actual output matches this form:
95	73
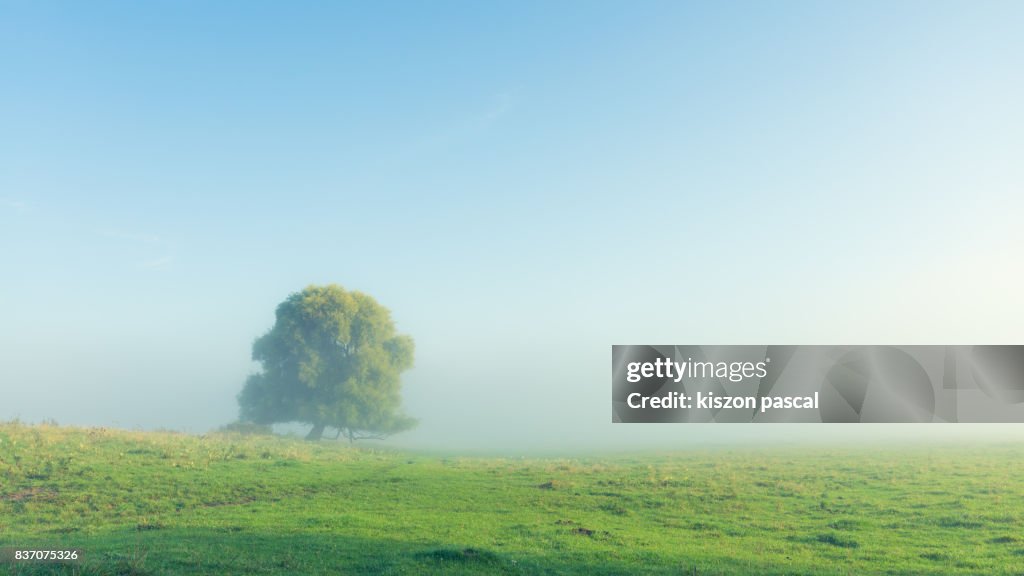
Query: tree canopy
332	359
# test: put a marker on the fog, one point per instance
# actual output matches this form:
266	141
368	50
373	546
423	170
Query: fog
522	186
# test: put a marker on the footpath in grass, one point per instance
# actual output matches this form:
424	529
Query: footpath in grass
165	503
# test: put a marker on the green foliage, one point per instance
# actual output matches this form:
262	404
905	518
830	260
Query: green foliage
332	358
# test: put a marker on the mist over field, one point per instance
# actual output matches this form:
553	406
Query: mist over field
522	185
238	240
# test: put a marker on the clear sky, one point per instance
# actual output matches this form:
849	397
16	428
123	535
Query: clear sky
522	184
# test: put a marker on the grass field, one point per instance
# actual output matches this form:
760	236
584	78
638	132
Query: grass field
165	503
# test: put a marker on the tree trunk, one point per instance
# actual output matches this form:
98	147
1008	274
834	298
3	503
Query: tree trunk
351	437
316	433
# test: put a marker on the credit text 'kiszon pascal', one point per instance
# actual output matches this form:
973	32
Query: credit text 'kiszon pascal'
711	402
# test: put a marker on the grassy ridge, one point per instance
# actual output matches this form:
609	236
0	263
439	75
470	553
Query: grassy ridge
161	503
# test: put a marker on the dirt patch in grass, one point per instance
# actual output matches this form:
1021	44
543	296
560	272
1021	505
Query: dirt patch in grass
34	493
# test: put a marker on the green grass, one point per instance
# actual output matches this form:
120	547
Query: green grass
164	503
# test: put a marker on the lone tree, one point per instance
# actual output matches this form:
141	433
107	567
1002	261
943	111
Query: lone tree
333	358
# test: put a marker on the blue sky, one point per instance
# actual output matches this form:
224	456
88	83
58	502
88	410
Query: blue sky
523	184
